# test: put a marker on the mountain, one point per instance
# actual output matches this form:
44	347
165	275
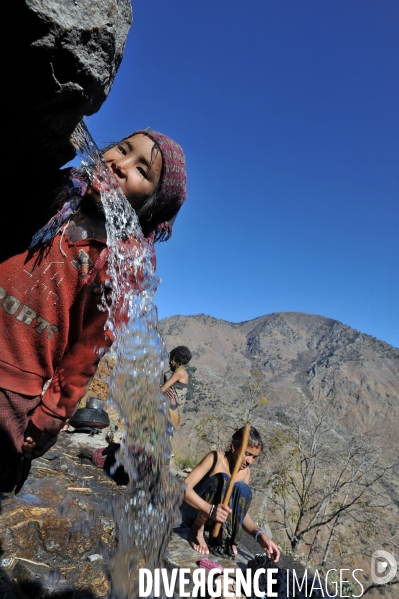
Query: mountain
302	358
286	368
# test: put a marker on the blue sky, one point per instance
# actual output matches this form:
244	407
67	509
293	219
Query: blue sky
288	114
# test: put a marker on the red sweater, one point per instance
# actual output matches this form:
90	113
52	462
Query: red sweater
50	325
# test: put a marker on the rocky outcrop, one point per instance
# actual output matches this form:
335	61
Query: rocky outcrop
59	60
61	64
56	534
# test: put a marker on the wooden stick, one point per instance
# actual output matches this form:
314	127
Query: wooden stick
237	466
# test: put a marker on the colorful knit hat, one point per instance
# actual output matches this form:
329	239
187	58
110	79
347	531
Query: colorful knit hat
171	192
170	195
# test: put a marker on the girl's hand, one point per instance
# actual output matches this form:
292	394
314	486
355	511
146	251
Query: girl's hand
36	443
31	439
221	513
269	547
28	447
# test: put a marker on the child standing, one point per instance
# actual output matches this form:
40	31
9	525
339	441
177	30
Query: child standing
175	388
175	384
51	330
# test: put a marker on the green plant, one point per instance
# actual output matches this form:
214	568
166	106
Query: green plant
184	461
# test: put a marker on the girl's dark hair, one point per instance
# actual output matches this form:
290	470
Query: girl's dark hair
180	354
255	439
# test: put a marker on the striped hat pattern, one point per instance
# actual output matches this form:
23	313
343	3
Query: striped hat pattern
171	192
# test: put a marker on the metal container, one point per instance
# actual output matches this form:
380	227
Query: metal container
91	417
94	403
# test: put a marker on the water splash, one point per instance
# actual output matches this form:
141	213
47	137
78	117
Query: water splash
146	512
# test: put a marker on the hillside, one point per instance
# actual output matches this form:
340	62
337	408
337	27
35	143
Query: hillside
303	358
294	366
300	373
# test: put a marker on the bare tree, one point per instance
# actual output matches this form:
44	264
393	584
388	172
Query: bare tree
326	489
252	396
371	587
214	428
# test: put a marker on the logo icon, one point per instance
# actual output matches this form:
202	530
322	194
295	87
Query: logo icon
383	567
82	264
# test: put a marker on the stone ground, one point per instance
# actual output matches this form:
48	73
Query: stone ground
57	532
180	555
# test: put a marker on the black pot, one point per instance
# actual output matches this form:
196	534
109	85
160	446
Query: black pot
90	418
95	403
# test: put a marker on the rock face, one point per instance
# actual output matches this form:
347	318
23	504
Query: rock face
65	59
57	532
60	60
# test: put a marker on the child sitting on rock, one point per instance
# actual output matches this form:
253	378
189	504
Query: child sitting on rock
175	384
51	329
205	490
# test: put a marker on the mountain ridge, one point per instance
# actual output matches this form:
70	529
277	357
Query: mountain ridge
292	312
301	356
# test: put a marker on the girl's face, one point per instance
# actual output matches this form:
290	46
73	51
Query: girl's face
173	364
133	165
249	457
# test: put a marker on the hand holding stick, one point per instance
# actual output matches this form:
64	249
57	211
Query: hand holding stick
237	466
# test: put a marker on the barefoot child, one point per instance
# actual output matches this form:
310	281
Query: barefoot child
175	384
51	330
206	486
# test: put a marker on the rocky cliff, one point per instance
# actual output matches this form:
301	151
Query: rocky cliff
59	63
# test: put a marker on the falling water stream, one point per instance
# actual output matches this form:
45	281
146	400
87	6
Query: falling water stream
145	513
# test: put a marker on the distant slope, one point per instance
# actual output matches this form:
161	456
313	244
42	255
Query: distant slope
300	361
303	357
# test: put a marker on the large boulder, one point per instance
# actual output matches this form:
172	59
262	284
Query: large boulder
59	61
62	60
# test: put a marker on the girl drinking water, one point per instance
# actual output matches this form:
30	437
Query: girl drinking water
52	332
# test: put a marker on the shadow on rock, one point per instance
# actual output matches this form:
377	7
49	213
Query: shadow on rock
28	580
57	533
23	586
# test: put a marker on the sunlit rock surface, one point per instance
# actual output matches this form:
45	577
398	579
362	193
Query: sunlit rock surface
62	68
57	532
